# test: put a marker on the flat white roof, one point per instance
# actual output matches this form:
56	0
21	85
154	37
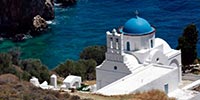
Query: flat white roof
131	82
70	78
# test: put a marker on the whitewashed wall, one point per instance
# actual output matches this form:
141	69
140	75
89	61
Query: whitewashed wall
138	42
171	79
106	73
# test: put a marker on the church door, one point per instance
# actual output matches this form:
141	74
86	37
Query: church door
166	87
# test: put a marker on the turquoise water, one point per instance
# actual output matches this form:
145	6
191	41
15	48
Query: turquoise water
86	23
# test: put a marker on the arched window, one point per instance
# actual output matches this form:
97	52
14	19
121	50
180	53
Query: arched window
117	43
111	42
151	43
128	46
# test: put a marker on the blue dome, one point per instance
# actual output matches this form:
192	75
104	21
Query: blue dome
137	26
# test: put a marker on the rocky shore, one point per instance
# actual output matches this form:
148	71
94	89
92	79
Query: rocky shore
17	17
21	19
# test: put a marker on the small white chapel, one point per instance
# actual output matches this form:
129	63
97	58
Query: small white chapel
138	61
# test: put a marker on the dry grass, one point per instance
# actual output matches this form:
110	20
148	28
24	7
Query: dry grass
149	95
92	82
8	78
152	95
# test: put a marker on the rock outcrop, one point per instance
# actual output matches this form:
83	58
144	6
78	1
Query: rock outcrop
39	23
16	16
49	10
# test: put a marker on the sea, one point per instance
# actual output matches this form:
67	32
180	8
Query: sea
86	23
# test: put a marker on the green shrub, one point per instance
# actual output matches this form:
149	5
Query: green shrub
15	53
6	64
83	68
96	53
35	68
188	45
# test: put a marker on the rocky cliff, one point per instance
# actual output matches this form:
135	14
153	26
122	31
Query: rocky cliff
17	16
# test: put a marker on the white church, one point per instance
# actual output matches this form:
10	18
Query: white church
138	61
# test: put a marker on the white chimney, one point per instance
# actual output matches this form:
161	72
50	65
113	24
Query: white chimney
53	80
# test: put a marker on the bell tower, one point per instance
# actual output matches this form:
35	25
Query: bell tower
114	46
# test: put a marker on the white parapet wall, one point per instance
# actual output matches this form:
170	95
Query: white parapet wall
35	81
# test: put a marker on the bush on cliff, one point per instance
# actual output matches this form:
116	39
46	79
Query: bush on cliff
10	62
90	57
188	45
35	68
15	53
96	53
83	68
6	64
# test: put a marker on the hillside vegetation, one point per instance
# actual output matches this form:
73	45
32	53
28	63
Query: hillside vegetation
90	57
14	89
10	62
